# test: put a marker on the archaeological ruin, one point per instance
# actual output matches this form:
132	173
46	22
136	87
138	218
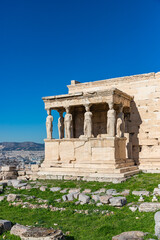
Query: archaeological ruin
108	129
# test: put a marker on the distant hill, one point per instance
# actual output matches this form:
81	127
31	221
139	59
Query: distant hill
18	146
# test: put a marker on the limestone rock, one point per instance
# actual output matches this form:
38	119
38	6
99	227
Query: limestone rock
157	224
156	191
111	192
18	230
95	197
125	192
84	198
42	234
43	188
6	225
70	197
12	197
2	198
105	199
117	201
55	189
74	190
132	235
149	207
133	208
141	193
87	191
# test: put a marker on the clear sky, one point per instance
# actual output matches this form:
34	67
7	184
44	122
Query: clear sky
46	43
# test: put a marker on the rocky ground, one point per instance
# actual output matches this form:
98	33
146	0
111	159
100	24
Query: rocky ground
84	210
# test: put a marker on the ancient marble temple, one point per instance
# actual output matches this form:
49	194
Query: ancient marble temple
100	133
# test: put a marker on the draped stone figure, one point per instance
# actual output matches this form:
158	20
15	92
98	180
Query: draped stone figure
68	124
87	122
49	124
111	121
61	125
120	123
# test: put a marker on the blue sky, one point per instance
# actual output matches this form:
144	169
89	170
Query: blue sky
46	43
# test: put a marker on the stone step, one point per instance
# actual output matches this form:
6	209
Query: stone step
96	176
126	169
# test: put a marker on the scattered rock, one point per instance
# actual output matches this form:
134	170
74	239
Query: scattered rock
64	197
18	230
43	188
42	233
132	235
133	208
2	198
95	197
74	190
111	192
70	197
6	225
149	207
64	190
117	201
156	191
141	193
87	191
125	192
99	204
12	197
84	198
55	189
157	224
105	199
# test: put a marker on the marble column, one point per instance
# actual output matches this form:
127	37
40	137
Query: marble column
111	120
68	124
120	126
49	124
61	124
87	122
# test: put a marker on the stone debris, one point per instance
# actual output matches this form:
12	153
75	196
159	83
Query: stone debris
125	192
43	188
42	233
2	198
149	207
132	235
111	192
156	191
18	230
95	197
55	189
118	201
105	199
157	224
154	199
84	198
87	191
12	197
141	193
74	190
133	208
64	190
141	199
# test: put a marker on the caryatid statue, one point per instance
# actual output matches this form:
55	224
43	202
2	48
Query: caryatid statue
120	123
61	125
87	122
68	123
49	124
111	121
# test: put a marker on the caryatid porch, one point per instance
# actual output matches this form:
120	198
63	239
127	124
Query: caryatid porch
91	142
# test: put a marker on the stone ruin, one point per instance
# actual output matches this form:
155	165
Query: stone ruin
108	129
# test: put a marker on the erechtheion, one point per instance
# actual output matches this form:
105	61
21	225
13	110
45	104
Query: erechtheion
108	129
